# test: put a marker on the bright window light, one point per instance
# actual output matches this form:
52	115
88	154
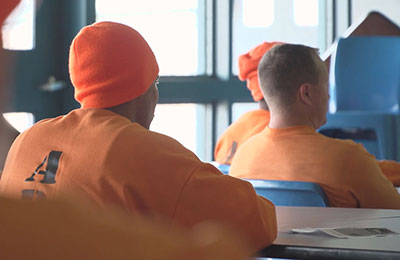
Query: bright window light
306	12
181	122
18	28
170	27
258	13
238	109
20	120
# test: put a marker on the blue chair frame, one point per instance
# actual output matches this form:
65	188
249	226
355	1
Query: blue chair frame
291	193
385	142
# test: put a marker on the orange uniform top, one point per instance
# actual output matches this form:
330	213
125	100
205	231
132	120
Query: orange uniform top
253	122
349	175
246	126
111	160
391	169
62	230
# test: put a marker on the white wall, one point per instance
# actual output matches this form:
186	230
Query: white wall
390	8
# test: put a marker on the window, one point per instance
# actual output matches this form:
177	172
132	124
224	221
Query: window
298	22
20	120
18	28
239	109
306	12
258	13
184	122
174	29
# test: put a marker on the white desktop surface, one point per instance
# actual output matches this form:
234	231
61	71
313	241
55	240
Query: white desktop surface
288	243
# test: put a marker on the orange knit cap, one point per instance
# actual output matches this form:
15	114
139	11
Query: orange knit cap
110	64
248	64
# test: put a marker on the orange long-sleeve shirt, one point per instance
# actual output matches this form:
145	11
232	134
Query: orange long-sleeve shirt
253	122
350	176
391	169
62	230
246	126
103	156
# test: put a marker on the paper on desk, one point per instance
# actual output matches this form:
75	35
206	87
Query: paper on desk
349	232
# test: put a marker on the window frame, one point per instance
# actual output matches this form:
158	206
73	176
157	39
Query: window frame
219	88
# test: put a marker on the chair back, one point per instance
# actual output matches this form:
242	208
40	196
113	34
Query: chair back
224	168
291	193
365	74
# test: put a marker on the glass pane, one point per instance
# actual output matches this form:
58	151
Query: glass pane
170	27
20	120
18	28
306	12
287	16
258	13
183	122
239	109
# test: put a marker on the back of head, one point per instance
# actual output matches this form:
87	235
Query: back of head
110	64
284	69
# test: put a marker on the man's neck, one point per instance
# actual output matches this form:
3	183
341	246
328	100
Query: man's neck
285	120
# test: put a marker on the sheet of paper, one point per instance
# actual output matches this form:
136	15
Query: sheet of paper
347	232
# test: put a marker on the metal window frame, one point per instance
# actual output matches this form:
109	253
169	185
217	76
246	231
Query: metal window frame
218	88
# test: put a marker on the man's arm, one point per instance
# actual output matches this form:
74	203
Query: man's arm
391	169
209	195
370	186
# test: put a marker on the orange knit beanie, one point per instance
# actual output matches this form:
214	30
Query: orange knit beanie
248	64
110	64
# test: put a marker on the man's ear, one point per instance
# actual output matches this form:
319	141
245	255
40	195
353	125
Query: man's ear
305	93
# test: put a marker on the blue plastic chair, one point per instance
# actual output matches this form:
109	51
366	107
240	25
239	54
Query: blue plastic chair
224	168
291	193
365	93
378	132
365	74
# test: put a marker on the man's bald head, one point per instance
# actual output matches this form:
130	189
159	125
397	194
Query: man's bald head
284	69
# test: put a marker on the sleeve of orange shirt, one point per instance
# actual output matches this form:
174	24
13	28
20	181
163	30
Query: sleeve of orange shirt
236	134
231	201
391	169
62	230
370	186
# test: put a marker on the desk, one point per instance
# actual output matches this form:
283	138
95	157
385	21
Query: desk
307	246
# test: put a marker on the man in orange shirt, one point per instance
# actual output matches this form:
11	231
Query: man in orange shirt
62	230
294	81
255	121
105	152
251	122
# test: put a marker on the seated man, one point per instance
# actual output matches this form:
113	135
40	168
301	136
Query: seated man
61	230
105	152
294	81
251	122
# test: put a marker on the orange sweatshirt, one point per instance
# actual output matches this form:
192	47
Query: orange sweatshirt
108	159
391	169
253	122
246	126
62	230
350	176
